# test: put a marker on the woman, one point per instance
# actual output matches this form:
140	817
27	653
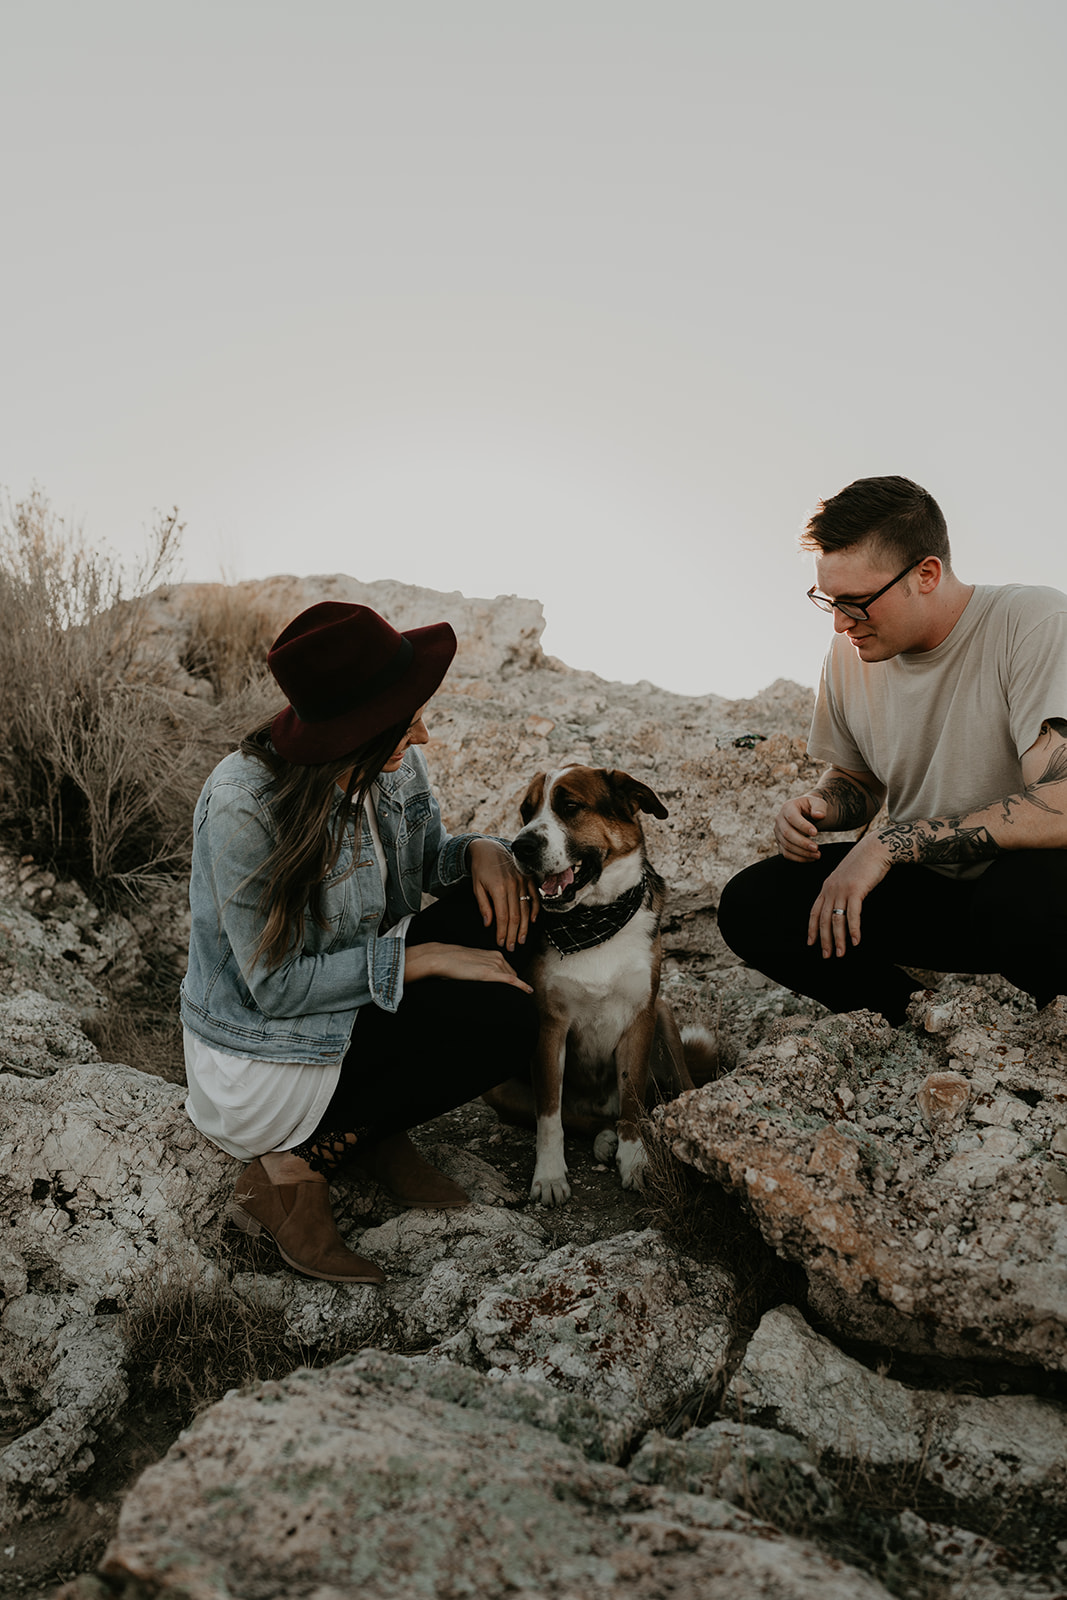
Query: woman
324	1012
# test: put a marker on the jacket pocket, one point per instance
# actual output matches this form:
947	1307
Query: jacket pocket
417	813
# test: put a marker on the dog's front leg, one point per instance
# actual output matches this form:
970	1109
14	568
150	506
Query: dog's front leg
631	1065
550	1186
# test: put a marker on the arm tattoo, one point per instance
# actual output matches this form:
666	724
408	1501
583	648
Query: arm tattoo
1055	773
851	803
937	841
910	843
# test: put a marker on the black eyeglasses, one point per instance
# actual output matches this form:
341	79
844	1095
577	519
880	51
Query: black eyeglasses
852	608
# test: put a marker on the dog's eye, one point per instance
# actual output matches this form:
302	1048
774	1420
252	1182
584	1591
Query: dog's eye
566	807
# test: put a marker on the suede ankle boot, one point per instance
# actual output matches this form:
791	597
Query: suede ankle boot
407	1177
299	1220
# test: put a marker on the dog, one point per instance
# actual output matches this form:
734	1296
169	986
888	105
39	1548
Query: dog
595	973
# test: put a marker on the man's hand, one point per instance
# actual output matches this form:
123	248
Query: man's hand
796	827
842	800
835	916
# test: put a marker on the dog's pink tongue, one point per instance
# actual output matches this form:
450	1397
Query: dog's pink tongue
557	882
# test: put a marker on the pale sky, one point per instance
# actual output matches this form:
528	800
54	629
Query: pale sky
585	300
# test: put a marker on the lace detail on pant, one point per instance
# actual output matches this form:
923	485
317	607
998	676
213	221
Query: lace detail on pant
325	1152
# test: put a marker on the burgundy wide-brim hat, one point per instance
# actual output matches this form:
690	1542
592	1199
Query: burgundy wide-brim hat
348	676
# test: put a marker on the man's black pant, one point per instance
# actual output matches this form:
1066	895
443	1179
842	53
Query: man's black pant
1012	919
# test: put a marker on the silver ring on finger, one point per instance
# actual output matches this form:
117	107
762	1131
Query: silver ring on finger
524	897
839	911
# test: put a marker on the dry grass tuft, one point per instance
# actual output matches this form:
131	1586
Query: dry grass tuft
704	1221
145	1036
229	638
189	1346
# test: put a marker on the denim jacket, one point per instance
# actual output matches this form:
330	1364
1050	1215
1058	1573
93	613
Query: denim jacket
305	1009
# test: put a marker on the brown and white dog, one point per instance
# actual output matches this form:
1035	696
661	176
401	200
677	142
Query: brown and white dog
604	1029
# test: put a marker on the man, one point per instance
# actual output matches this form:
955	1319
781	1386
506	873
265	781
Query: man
949	702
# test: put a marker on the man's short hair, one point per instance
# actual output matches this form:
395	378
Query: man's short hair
900	518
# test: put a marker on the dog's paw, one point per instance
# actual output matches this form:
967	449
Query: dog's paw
550	1188
605	1145
631	1160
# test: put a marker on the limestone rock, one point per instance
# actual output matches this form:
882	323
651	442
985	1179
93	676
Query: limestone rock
627	1323
393	1480
83	1389
947	1240
63	949
730	1460
108	1195
37	1035
977	1450
774	1476
497	636
440	1263
104	1186
942	1098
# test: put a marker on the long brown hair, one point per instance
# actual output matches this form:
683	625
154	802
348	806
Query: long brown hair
307	846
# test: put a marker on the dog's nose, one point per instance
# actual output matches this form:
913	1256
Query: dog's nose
525	848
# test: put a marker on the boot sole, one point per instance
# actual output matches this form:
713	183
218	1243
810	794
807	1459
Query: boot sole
248	1224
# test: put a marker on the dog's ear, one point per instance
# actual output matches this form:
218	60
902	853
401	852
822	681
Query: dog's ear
635	796
532	799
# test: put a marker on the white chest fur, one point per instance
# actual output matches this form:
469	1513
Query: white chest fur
599	992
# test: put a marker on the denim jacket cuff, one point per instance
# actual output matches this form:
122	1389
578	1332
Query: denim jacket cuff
451	865
490	838
385	971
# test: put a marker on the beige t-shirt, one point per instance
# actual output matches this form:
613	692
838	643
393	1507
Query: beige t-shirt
944	730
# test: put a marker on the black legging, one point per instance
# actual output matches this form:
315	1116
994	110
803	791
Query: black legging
1012	919
446	1043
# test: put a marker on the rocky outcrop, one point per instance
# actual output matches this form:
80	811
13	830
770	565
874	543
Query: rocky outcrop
109	1197
57	945
391	1480
385	1476
918	1174
628	1323
104	1187
975	1449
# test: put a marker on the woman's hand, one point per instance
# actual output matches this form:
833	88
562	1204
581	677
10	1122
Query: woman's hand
503	894
459	961
836	913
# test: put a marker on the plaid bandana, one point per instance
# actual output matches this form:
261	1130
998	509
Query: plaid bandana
587	926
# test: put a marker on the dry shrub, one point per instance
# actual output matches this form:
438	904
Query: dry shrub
91	749
100	760
229	636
